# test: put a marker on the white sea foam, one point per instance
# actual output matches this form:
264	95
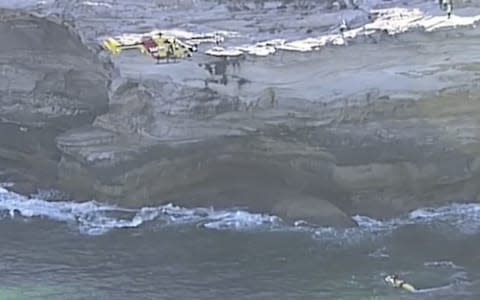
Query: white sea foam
95	3
464	217
220	51
239	220
392	21
95	218
441	264
379	253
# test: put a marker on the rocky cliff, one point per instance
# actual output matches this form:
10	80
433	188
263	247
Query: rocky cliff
50	82
376	128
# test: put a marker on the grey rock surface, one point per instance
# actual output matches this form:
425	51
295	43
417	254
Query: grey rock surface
377	128
50	82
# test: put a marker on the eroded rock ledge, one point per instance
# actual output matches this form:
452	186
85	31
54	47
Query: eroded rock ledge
319	136
50	82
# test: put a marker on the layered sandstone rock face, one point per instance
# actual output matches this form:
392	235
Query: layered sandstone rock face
377	128
50	82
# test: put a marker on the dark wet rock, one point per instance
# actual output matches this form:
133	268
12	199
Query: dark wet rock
312	211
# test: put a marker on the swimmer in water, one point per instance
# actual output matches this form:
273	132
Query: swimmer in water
396	282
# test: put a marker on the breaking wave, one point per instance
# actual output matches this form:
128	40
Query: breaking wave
94	218
464	217
442	264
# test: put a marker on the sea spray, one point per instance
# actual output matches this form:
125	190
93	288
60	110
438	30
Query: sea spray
96	218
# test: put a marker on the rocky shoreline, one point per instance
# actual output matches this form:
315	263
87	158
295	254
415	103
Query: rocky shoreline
376	128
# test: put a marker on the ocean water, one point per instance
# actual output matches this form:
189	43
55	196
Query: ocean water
66	250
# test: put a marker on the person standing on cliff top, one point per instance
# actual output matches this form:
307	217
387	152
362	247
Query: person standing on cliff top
446	5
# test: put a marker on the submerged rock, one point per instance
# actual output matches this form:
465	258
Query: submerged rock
312	211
